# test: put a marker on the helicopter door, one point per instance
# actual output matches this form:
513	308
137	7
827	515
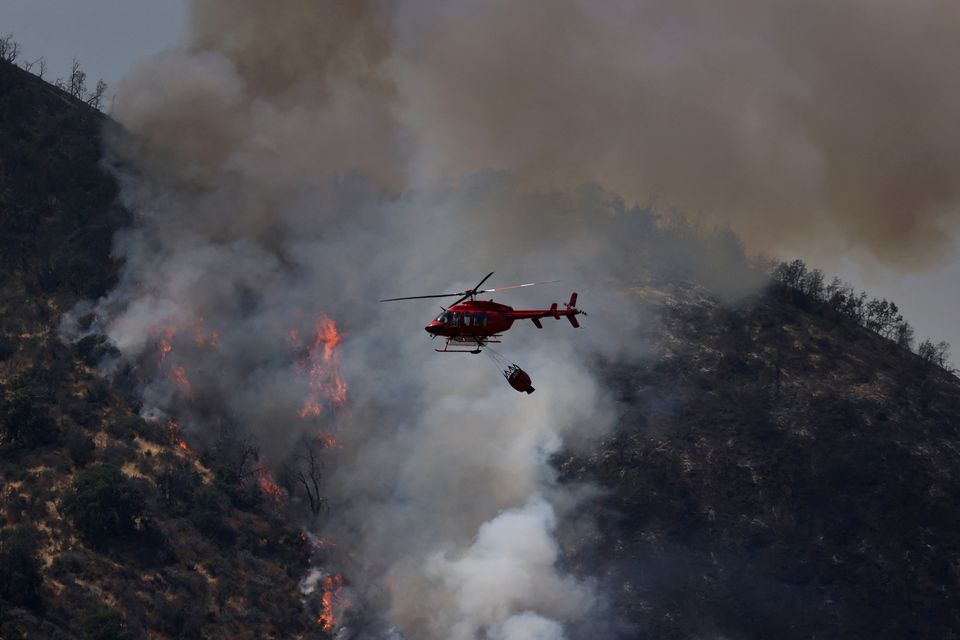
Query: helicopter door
455	321
480	319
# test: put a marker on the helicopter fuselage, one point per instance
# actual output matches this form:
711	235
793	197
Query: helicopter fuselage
478	319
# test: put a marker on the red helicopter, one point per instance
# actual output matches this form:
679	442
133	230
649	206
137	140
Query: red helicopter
478	323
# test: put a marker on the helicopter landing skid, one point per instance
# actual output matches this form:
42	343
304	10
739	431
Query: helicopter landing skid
479	344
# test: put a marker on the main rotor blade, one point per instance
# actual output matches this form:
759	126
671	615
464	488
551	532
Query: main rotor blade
517	286
472	292
481	282
439	295
466	294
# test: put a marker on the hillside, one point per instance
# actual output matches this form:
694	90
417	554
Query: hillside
779	472
109	527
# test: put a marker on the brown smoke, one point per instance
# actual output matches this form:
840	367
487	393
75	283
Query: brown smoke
277	46
821	127
805	125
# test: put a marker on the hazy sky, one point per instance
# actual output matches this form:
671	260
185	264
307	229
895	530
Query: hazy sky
108	36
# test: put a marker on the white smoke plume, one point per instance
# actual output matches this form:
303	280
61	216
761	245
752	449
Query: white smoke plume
511	565
251	228
299	160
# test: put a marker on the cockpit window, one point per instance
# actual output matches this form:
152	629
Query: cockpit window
443	317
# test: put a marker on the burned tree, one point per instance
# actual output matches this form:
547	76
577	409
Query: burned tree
9	49
41	65
938	354
76	84
307	471
236	454
95	99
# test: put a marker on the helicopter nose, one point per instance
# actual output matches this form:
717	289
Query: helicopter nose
433	328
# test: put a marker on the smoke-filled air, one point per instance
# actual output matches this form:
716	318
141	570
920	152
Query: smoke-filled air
294	162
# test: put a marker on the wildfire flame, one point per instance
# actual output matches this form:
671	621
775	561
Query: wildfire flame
165	339
332	586
202	337
268	486
166	342
328	441
321	365
183	382
173	432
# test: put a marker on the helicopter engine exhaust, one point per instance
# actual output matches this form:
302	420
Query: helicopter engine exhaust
518	379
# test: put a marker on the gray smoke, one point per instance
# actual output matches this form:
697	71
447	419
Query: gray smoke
441	487
304	158
820	128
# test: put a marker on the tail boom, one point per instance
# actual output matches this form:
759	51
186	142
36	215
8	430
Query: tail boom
570	312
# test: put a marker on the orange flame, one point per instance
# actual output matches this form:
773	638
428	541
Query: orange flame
332	585
173	431
166	342
322	368
268	486
328	440
202	337
180	377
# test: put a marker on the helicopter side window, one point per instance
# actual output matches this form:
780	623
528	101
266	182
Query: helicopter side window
455	322
480	319
467	319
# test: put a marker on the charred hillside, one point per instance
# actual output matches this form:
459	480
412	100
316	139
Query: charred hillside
779	471
109	526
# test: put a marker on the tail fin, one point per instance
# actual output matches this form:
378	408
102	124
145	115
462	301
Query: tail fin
572	306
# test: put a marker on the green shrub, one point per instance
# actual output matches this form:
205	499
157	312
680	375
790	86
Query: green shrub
85	414
24	424
106	625
79	446
179	617
123	428
177	486
118	454
102	504
246	496
98	392
93	348
20	578
8	347
67	564
209	513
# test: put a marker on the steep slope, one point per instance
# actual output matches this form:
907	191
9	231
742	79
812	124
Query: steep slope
779	472
109	526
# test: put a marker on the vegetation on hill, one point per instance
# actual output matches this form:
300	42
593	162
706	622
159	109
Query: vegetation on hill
108	528
877	315
780	470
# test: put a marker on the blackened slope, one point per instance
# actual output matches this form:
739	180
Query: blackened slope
204	557
780	472
56	204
